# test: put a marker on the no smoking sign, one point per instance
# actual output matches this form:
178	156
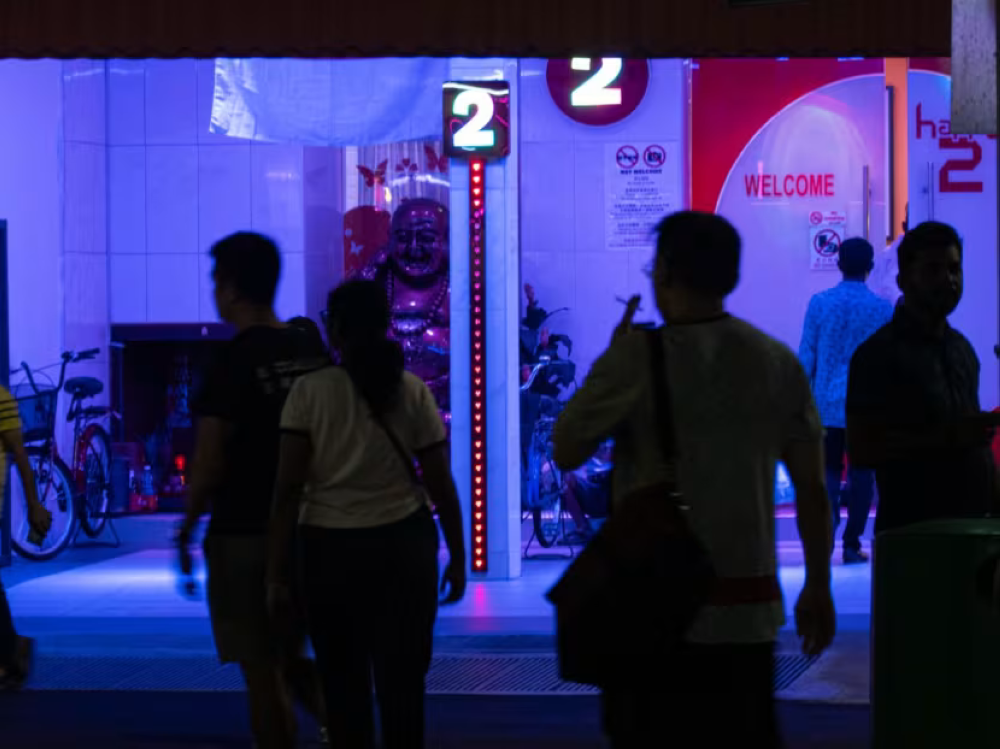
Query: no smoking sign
627	157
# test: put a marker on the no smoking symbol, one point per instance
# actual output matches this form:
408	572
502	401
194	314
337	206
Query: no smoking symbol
627	157
655	157
815	218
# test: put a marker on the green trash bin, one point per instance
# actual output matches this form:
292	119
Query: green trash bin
936	636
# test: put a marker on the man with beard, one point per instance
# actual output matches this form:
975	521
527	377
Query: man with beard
913	410
414	272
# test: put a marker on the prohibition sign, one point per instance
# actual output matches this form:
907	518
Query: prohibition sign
815	218
654	157
826	243
627	157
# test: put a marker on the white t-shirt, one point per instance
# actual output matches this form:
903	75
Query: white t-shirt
739	398
357	478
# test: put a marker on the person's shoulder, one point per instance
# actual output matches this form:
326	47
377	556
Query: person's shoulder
962	343
878	347
412	385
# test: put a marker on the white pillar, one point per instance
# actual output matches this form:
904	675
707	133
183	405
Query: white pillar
502	312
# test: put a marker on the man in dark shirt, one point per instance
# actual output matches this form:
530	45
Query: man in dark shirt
913	410
235	465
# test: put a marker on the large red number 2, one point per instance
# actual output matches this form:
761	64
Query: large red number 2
946	183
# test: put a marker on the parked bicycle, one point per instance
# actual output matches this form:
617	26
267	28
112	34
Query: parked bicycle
77	497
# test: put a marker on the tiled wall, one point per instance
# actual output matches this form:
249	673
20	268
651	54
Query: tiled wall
31	158
175	188
563	252
86	322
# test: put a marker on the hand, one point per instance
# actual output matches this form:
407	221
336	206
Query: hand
453	582
185	563
39	518
815	618
626	322
529	292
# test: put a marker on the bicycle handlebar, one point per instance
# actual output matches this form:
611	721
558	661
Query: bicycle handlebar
534	373
67	357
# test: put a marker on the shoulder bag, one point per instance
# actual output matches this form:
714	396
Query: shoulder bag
625	604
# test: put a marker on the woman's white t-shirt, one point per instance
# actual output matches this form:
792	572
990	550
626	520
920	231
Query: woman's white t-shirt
357	478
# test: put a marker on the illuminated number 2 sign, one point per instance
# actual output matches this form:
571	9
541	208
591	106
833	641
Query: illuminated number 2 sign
477	119
597	90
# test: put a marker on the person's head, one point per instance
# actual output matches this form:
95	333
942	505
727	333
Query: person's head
418	242
308	326
856	259
357	325
697	262
245	273
930	270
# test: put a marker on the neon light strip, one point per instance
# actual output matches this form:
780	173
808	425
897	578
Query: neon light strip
477	382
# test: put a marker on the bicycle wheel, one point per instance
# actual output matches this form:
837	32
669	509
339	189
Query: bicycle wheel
54	484
544	492
97	486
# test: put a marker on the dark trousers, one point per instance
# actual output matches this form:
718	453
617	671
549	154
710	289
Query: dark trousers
717	697
857	496
371	600
8	635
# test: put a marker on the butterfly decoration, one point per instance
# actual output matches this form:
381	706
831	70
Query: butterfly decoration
407	166
373	178
436	163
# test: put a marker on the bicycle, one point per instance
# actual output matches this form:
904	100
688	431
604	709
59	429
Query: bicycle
77	497
543	483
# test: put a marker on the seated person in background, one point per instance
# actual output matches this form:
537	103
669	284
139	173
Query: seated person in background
587	492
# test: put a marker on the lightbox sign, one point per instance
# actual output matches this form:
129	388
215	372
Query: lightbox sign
597	90
477	119
477	130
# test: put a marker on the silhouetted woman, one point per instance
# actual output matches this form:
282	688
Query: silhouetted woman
352	436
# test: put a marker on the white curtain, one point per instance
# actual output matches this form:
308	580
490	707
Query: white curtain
329	102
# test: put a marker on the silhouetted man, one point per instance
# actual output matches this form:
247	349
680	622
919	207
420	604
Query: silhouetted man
740	402
233	476
838	321
913	410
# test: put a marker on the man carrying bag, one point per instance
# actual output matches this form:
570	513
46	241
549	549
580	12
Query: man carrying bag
674	609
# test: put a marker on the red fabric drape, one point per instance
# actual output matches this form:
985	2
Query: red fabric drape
522	28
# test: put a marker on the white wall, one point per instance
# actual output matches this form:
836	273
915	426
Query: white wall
31	157
175	188
563	167
973	214
86	322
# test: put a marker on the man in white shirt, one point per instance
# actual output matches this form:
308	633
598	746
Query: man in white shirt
740	403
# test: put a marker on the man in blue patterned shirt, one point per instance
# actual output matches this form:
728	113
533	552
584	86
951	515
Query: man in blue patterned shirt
838	321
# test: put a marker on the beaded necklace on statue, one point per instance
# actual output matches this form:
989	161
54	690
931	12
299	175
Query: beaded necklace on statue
410	331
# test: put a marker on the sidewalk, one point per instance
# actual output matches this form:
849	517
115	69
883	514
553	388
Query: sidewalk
56	720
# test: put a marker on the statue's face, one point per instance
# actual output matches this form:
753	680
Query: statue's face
419	240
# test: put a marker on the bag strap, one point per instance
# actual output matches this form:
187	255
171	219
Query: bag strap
397	444
660	384
400	450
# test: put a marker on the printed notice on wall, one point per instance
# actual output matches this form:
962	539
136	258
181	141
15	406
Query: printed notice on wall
826	232
641	186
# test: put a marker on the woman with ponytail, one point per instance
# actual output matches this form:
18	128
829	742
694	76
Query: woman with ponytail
353	437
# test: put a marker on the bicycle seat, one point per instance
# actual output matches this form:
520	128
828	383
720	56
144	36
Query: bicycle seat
83	387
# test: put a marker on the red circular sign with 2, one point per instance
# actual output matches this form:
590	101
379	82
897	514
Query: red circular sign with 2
597	90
